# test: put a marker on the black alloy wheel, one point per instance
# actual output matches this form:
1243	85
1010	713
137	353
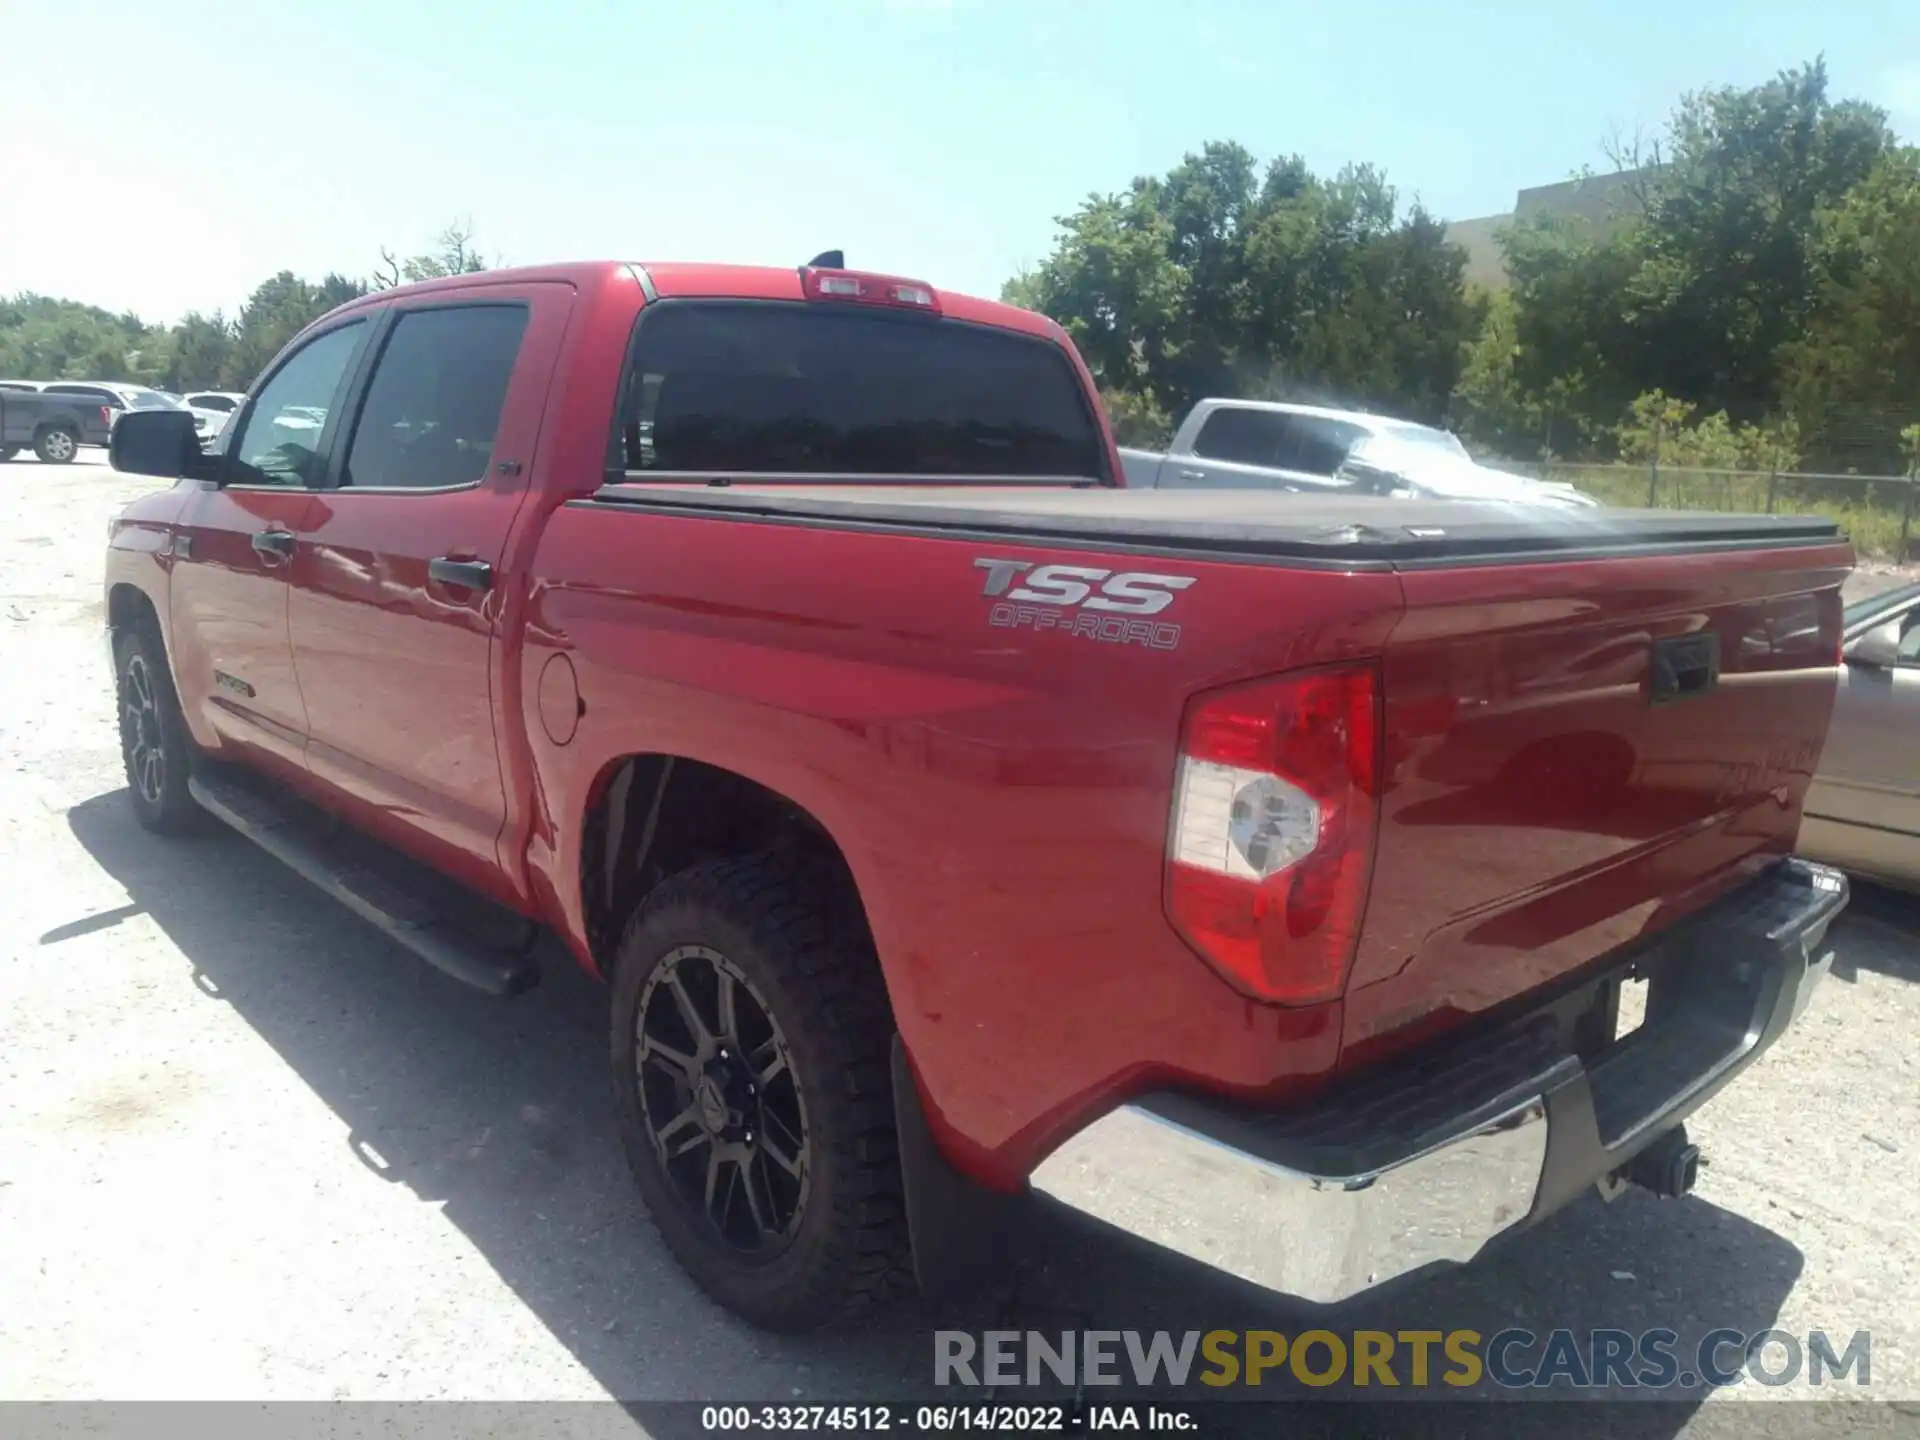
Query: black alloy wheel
142	738
751	1044
155	744
717	1088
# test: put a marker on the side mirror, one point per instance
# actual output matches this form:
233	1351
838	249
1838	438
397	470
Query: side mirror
158	442
1878	647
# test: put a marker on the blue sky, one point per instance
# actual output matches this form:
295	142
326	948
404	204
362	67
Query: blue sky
168	157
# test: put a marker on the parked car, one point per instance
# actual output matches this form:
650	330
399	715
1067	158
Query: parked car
949	821
1863	810
114	394
113	397
1256	444
212	409
53	425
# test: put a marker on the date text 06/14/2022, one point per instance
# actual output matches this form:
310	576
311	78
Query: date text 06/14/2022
946	1419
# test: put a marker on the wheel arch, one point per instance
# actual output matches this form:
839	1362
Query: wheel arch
643	821
129	606
651	814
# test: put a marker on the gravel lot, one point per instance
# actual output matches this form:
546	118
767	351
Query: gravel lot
250	1149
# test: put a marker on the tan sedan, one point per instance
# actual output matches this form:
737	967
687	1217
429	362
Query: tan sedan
1862	812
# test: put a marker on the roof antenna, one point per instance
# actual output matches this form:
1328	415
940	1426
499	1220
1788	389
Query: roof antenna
828	260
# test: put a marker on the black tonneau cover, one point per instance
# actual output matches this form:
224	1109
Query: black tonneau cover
1344	530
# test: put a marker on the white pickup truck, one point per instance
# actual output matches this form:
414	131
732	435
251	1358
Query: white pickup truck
1267	445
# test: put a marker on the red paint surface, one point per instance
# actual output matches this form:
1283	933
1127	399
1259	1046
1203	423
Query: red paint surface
1538	813
1001	798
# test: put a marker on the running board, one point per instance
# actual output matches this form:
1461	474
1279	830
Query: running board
379	885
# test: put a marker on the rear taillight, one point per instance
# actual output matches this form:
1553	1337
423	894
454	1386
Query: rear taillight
868	289
106	416
1271	843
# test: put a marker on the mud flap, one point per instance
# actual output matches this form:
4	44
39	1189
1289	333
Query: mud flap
960	1229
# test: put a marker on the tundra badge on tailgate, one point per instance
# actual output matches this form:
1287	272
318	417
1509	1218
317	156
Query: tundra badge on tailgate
1064	598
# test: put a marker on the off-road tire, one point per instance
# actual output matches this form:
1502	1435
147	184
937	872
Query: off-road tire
157	785
56	445
793	932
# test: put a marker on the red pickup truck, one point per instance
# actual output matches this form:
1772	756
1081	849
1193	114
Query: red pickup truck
1258	874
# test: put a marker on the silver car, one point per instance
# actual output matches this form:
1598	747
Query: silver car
1277	445
1862	812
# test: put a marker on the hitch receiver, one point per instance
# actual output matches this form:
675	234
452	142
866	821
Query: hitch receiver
1669	1167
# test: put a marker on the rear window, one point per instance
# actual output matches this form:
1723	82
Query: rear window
777	388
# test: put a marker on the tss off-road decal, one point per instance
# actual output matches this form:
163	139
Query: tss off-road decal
1083	600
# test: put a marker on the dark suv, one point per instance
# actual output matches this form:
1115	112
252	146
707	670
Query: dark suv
54	427
56	417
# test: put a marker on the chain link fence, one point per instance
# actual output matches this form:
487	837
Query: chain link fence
1876	510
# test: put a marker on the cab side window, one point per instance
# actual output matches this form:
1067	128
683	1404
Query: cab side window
1242	437
434	402
280	444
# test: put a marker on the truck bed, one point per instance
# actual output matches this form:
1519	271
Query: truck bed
1339	530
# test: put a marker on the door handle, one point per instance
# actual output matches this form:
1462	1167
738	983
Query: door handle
1192	474
273	545
461	574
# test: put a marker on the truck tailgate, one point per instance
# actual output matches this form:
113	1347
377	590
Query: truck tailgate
1578	753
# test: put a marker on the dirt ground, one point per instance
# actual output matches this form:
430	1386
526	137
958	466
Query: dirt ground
250	1149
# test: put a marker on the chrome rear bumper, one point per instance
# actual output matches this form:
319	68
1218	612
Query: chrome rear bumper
1424	1166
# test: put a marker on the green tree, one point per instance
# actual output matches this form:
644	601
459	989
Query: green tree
42	338
1853	374
1136	419
1110	284
1727	256
198	358
453	254
279	309
1661	429
1705	293
1219	278
1493	410
1574	349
